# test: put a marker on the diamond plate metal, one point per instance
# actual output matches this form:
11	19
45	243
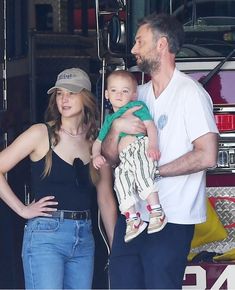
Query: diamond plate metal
224	198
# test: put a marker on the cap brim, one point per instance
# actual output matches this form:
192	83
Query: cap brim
69	87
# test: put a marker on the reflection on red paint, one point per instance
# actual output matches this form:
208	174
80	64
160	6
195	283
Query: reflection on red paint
219	87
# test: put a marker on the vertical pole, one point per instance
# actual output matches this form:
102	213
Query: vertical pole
32	76
102	91
5	56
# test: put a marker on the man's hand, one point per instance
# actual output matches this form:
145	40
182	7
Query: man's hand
129	124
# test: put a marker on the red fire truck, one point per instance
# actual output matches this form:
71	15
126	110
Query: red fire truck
39	38
208	55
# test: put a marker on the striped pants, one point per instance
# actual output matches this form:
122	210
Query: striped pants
135	174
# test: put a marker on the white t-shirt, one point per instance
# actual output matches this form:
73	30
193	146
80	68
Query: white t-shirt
182	113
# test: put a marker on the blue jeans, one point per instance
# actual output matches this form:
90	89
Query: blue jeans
150	261
58	254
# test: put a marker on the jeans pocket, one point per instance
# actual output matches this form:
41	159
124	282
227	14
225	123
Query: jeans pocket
40	232
43	225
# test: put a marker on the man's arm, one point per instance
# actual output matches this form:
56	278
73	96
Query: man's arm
109	147
203	156
106	201
128	124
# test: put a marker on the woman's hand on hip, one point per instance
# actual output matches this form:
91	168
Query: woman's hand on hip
39	208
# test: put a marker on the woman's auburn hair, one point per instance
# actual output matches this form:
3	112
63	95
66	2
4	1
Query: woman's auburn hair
90	121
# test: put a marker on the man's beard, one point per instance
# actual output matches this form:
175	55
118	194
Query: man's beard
149	66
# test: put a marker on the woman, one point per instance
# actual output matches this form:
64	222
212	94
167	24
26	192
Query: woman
58	245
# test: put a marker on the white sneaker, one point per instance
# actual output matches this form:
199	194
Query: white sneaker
157	221
133	228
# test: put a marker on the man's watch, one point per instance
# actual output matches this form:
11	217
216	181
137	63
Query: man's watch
157	174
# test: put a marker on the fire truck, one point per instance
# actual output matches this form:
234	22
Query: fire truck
39	38
208	55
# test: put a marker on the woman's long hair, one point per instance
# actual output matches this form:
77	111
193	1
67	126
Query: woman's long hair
89	120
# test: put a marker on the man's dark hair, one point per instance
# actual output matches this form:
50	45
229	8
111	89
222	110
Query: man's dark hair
168	26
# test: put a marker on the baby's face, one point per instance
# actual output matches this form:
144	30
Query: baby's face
120	91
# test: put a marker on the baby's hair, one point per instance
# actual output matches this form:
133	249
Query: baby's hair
123	73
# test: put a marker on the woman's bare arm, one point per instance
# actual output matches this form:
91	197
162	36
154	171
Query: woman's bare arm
23	146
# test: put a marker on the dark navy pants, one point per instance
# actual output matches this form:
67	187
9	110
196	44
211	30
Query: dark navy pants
150	261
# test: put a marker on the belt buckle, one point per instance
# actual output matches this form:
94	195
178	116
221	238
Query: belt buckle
80	215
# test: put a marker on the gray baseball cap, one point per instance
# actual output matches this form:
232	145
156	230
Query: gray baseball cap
72	79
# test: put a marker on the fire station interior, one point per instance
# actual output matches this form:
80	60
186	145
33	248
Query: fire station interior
40	38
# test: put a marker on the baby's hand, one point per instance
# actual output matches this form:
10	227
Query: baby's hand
98	161
153	153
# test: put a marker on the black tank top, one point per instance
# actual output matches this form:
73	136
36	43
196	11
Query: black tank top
70	184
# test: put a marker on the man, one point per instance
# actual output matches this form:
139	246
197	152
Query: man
183	113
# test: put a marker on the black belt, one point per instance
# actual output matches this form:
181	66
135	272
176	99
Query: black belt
72	215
